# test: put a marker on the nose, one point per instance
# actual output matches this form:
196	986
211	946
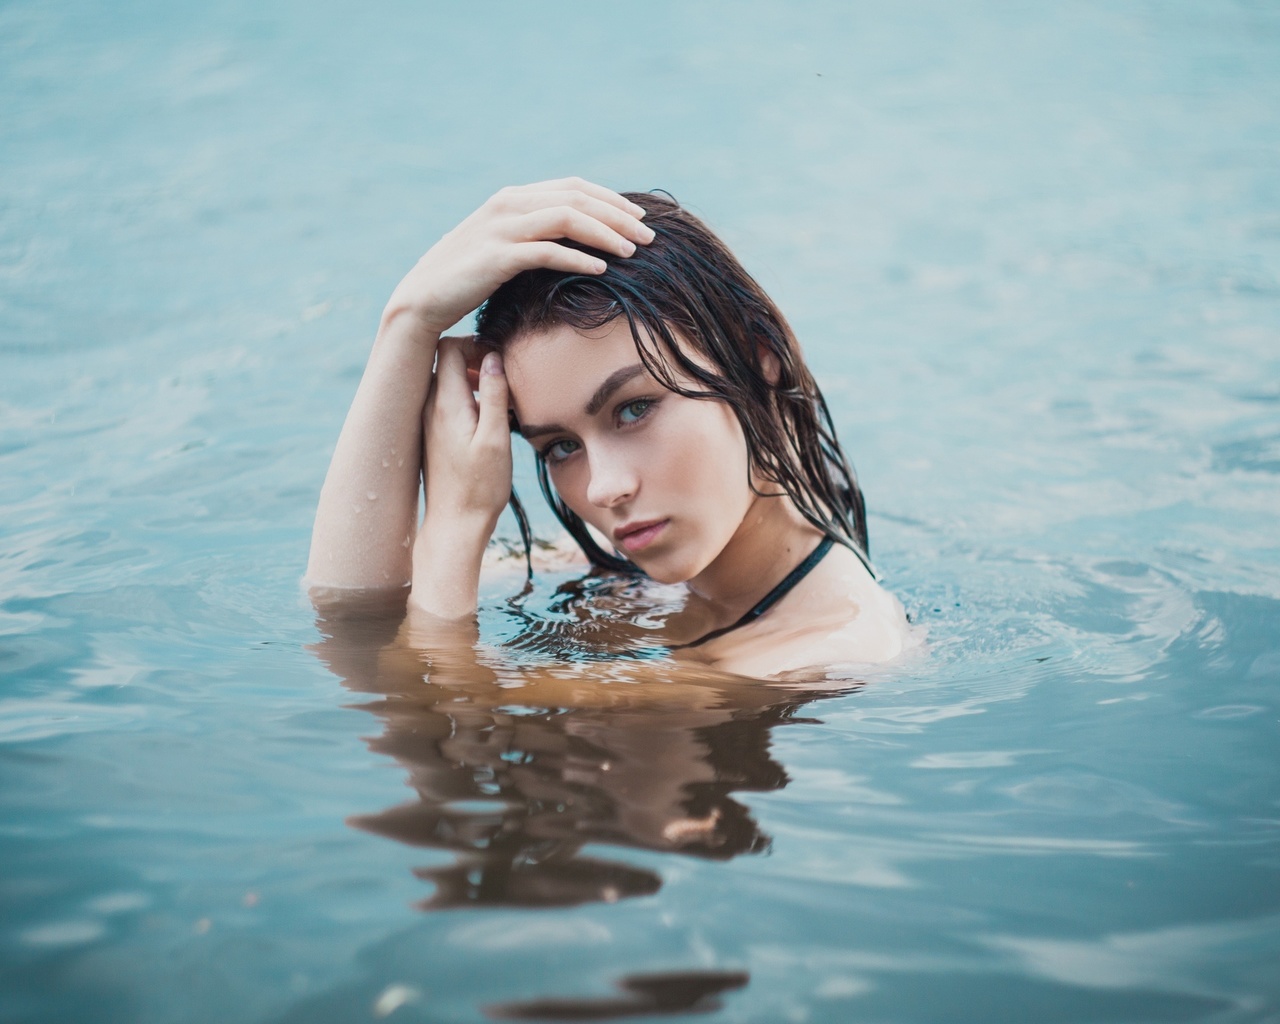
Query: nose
613	482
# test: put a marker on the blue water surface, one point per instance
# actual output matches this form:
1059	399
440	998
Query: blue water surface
1033	253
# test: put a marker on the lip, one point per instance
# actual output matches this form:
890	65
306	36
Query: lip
633	537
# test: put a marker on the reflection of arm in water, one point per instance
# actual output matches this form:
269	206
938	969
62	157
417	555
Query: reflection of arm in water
516	767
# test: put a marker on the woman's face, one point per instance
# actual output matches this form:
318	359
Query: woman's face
663	477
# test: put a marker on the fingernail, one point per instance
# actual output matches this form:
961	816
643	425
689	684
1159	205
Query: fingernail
491	365
638	211
629	249
647	233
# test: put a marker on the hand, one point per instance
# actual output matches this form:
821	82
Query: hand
518	229
467	443
467	470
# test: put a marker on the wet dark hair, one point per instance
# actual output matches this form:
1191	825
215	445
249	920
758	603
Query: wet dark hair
687	283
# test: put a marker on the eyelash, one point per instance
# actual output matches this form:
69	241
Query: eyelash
647	404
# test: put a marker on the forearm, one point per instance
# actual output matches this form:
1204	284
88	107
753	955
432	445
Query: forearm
365	520
446	565
364	525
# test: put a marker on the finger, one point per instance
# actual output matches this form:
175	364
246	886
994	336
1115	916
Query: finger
430	404
576	184
492	426
566	222
428	411
553	256
623	221
472	351
453	392
475	351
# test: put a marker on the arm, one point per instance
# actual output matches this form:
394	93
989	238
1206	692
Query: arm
467	470
364	528
369	503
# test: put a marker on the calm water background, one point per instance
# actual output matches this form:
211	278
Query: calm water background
1033	251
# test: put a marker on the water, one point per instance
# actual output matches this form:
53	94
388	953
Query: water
1034	254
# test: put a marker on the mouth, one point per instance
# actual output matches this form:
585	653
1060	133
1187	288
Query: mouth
633	537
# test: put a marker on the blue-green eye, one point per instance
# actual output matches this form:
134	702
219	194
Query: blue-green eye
558	451
633	412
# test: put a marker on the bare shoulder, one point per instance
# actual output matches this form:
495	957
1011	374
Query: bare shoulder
841	616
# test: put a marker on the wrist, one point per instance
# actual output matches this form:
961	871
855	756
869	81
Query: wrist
403	316
413	298
454	536
466	517
446	565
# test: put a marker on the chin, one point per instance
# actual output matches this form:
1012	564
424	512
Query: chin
670	569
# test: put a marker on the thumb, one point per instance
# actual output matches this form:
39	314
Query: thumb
493	398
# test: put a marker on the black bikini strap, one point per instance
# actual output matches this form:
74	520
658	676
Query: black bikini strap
770	599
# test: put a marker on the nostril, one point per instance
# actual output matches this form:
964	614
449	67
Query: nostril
612	481
608	494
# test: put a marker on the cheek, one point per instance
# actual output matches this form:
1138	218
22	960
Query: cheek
704	453
570	482
720	434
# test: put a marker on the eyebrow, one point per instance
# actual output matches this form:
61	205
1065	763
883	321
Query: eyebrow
602	394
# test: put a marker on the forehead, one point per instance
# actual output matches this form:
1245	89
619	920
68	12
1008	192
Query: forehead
554	372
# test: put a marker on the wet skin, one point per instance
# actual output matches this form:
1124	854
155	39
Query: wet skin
666	480
663	477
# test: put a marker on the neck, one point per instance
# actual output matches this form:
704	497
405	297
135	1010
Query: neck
771	541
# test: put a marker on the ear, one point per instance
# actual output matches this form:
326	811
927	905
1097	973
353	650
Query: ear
769	365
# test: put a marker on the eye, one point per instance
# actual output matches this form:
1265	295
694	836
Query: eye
558	451
635	411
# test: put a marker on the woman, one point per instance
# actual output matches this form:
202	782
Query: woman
678	432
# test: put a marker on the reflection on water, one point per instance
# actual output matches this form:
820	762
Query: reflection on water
647	995
517	767
599	616
1033	254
